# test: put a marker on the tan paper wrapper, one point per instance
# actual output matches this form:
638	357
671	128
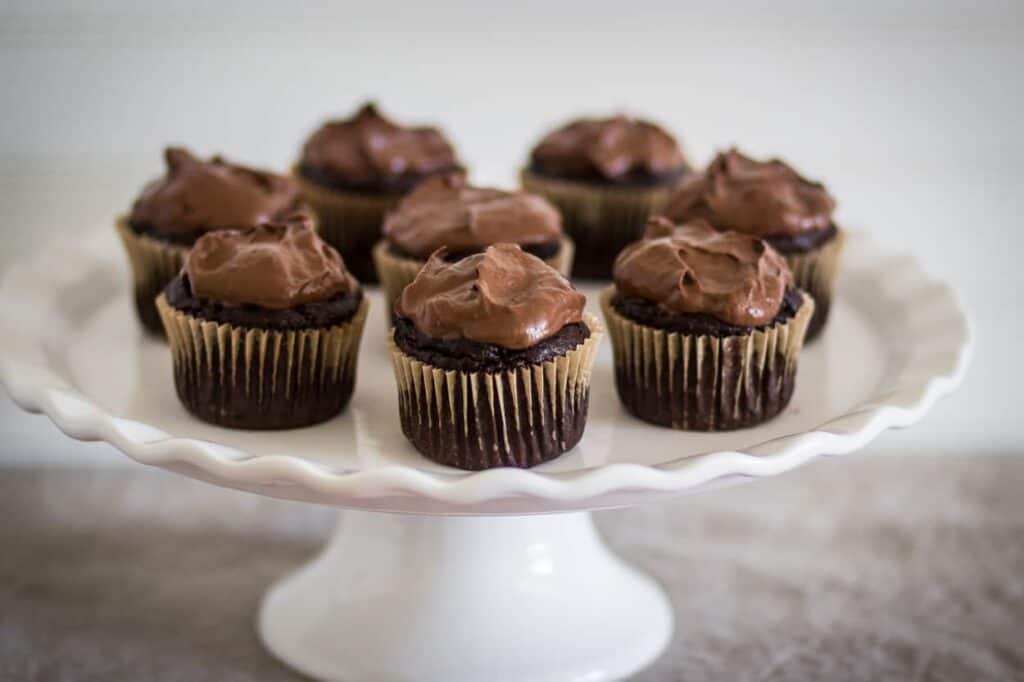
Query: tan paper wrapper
396	273
479	420
601	220
815	273
154	264
349	221
704	383
261	378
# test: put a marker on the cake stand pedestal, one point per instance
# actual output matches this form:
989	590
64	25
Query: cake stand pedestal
462	598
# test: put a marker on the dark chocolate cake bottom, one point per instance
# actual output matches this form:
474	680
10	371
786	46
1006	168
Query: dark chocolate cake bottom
251	378
716	399
484	421
703	381
497	410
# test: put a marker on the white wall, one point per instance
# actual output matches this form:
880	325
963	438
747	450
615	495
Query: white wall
909	111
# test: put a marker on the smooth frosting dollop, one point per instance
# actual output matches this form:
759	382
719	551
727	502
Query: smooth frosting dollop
694	268
445	211
369	151
763	198
502	296
197	196
610	148
276	265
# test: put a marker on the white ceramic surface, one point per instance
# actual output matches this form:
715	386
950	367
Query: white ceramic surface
69	347
515	598
505	599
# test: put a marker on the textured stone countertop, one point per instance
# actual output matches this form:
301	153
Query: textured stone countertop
856	568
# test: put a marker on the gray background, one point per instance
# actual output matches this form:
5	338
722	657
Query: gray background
910	112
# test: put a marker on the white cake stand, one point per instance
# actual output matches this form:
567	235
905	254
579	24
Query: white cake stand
474	578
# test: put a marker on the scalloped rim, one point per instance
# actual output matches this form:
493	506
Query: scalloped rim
36	386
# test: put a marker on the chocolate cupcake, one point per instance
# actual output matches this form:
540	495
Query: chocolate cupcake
771	201
193	198
706	327
264	327
353	171
606	176
446	212
492	355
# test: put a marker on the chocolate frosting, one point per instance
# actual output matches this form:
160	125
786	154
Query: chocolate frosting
502	296
197	196
276	265
611	149
445	211
370	152
761	198
693	268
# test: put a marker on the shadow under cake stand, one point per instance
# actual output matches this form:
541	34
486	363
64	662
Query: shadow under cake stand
496	575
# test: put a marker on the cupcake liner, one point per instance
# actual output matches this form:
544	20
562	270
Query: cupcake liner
705	383
349	221
815	272
397	272
479	420
262	378
154	264
601	220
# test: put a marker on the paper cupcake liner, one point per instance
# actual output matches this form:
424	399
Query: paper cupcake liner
601	220
704	383
397	272
252	378
479	420
349	221
815	272
154	264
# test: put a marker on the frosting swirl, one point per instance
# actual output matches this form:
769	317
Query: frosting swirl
445	211
617	149
276	265
761	198
693	268
197	196
502	296
369	152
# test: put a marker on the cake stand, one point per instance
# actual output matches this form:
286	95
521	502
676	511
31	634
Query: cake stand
496	575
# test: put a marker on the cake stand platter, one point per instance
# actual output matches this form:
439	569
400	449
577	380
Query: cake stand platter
496	575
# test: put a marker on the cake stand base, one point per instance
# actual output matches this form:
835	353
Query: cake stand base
503	599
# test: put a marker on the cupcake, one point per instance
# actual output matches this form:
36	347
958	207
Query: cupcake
492	355
353	171
193	198
706	327
606	176
264	327
771	201
446	212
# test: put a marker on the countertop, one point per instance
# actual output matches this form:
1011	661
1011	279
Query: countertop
855	568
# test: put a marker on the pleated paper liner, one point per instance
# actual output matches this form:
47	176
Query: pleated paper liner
252	378
815	273
349	221
397	272
479	420
154	264
704	383
601	220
